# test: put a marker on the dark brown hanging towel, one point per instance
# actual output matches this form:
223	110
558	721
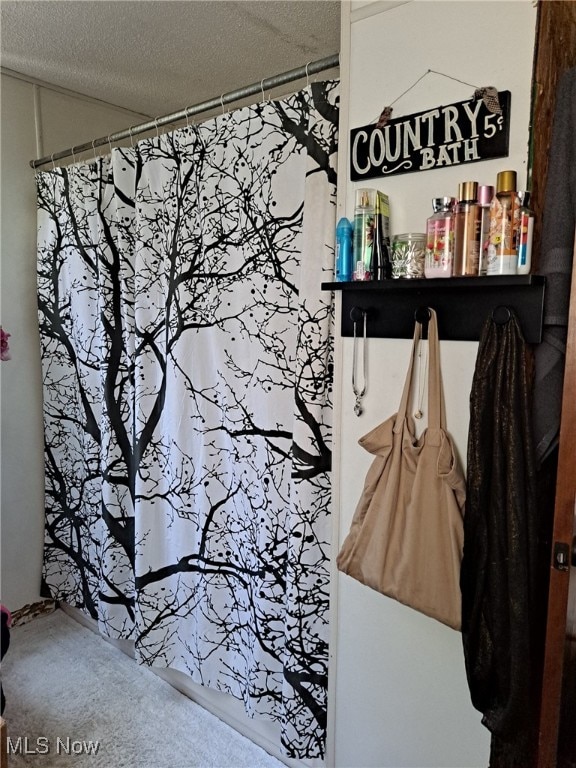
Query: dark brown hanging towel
556	249
500	546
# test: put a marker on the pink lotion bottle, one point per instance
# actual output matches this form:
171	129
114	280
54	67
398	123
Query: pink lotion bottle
440	238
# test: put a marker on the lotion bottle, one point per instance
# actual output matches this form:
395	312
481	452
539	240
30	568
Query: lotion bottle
440	238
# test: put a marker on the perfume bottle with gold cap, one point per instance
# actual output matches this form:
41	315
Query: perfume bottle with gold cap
504	210
467	231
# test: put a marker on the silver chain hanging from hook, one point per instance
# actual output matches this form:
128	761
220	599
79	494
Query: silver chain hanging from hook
359	393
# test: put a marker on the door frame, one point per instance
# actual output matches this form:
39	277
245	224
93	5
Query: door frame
555	52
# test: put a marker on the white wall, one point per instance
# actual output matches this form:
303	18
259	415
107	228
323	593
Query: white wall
65	120
399	695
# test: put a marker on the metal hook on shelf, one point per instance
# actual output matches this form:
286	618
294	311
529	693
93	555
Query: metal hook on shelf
501	314
357	314
422	315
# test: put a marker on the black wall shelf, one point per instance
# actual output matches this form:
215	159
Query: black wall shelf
461	303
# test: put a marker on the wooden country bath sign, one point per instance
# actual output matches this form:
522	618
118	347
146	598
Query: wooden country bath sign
464	132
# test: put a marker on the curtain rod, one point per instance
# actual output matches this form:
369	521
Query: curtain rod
330	62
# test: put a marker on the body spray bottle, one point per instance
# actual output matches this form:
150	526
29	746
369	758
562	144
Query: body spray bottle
344	251
485	195
363	234
525	234
502	255
467	231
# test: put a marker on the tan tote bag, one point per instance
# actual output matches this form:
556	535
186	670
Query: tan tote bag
406	535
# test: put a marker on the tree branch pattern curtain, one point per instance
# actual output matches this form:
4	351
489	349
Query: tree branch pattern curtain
187	367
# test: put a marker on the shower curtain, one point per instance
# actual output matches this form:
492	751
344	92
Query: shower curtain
187	371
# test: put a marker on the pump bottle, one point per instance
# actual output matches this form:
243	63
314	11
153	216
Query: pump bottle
440	238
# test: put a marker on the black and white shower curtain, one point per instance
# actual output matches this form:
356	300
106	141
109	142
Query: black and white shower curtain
187	366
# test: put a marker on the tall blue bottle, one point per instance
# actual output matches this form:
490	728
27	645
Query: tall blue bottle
344	232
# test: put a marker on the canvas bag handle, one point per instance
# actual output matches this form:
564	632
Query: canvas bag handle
436	414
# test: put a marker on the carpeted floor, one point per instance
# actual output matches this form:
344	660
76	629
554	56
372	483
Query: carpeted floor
75	700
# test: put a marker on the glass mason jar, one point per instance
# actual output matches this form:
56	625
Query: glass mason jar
408	255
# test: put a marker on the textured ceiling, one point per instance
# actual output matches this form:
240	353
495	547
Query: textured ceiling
158	56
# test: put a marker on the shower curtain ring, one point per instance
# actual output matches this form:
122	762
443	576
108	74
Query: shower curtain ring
94	150
307	79
222	104
156	123
52	158
131	139
262	89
